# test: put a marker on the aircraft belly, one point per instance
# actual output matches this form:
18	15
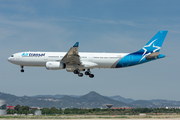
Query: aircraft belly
43	64
105	63
33	62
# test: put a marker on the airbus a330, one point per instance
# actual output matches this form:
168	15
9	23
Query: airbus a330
77	62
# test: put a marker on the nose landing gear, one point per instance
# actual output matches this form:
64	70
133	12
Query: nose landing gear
22	70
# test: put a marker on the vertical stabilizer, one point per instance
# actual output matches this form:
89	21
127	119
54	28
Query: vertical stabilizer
149	52
154	45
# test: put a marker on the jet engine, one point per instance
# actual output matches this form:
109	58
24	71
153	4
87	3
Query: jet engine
55	65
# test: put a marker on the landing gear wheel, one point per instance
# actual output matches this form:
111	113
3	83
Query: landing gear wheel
87	73
22	70
80	74
76	72
91	75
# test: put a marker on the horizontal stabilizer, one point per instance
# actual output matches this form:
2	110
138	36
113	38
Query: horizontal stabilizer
152	56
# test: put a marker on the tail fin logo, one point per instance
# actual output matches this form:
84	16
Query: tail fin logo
151	47
148	49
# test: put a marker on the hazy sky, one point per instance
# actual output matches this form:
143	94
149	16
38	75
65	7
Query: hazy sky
99	26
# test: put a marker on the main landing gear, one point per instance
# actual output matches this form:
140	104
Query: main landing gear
88	72
22	70
77	72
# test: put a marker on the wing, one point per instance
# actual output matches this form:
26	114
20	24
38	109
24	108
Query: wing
72	56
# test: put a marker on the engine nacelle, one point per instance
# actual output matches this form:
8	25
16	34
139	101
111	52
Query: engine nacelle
55	65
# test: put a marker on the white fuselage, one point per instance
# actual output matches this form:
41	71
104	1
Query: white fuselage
74	61
103	60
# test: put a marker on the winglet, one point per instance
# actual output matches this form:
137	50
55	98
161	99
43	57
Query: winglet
76	44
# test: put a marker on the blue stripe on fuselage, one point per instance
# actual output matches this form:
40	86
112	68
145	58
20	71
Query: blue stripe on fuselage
134	59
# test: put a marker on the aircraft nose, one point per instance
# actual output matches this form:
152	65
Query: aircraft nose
9	59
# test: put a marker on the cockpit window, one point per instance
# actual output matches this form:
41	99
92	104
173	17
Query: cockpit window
12	55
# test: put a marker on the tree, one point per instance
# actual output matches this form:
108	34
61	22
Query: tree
25	108
45	111
53	110
17	107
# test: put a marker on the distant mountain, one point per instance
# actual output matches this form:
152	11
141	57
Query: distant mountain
48	96
165	103
23	101
119	98
143	104
54	96
135	103
94	99
90	100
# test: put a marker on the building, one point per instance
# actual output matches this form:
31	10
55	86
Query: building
3	107
10	107
37	112
109	105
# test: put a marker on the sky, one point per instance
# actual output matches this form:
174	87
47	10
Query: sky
111	26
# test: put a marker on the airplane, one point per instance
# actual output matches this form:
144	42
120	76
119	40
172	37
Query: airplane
74	61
